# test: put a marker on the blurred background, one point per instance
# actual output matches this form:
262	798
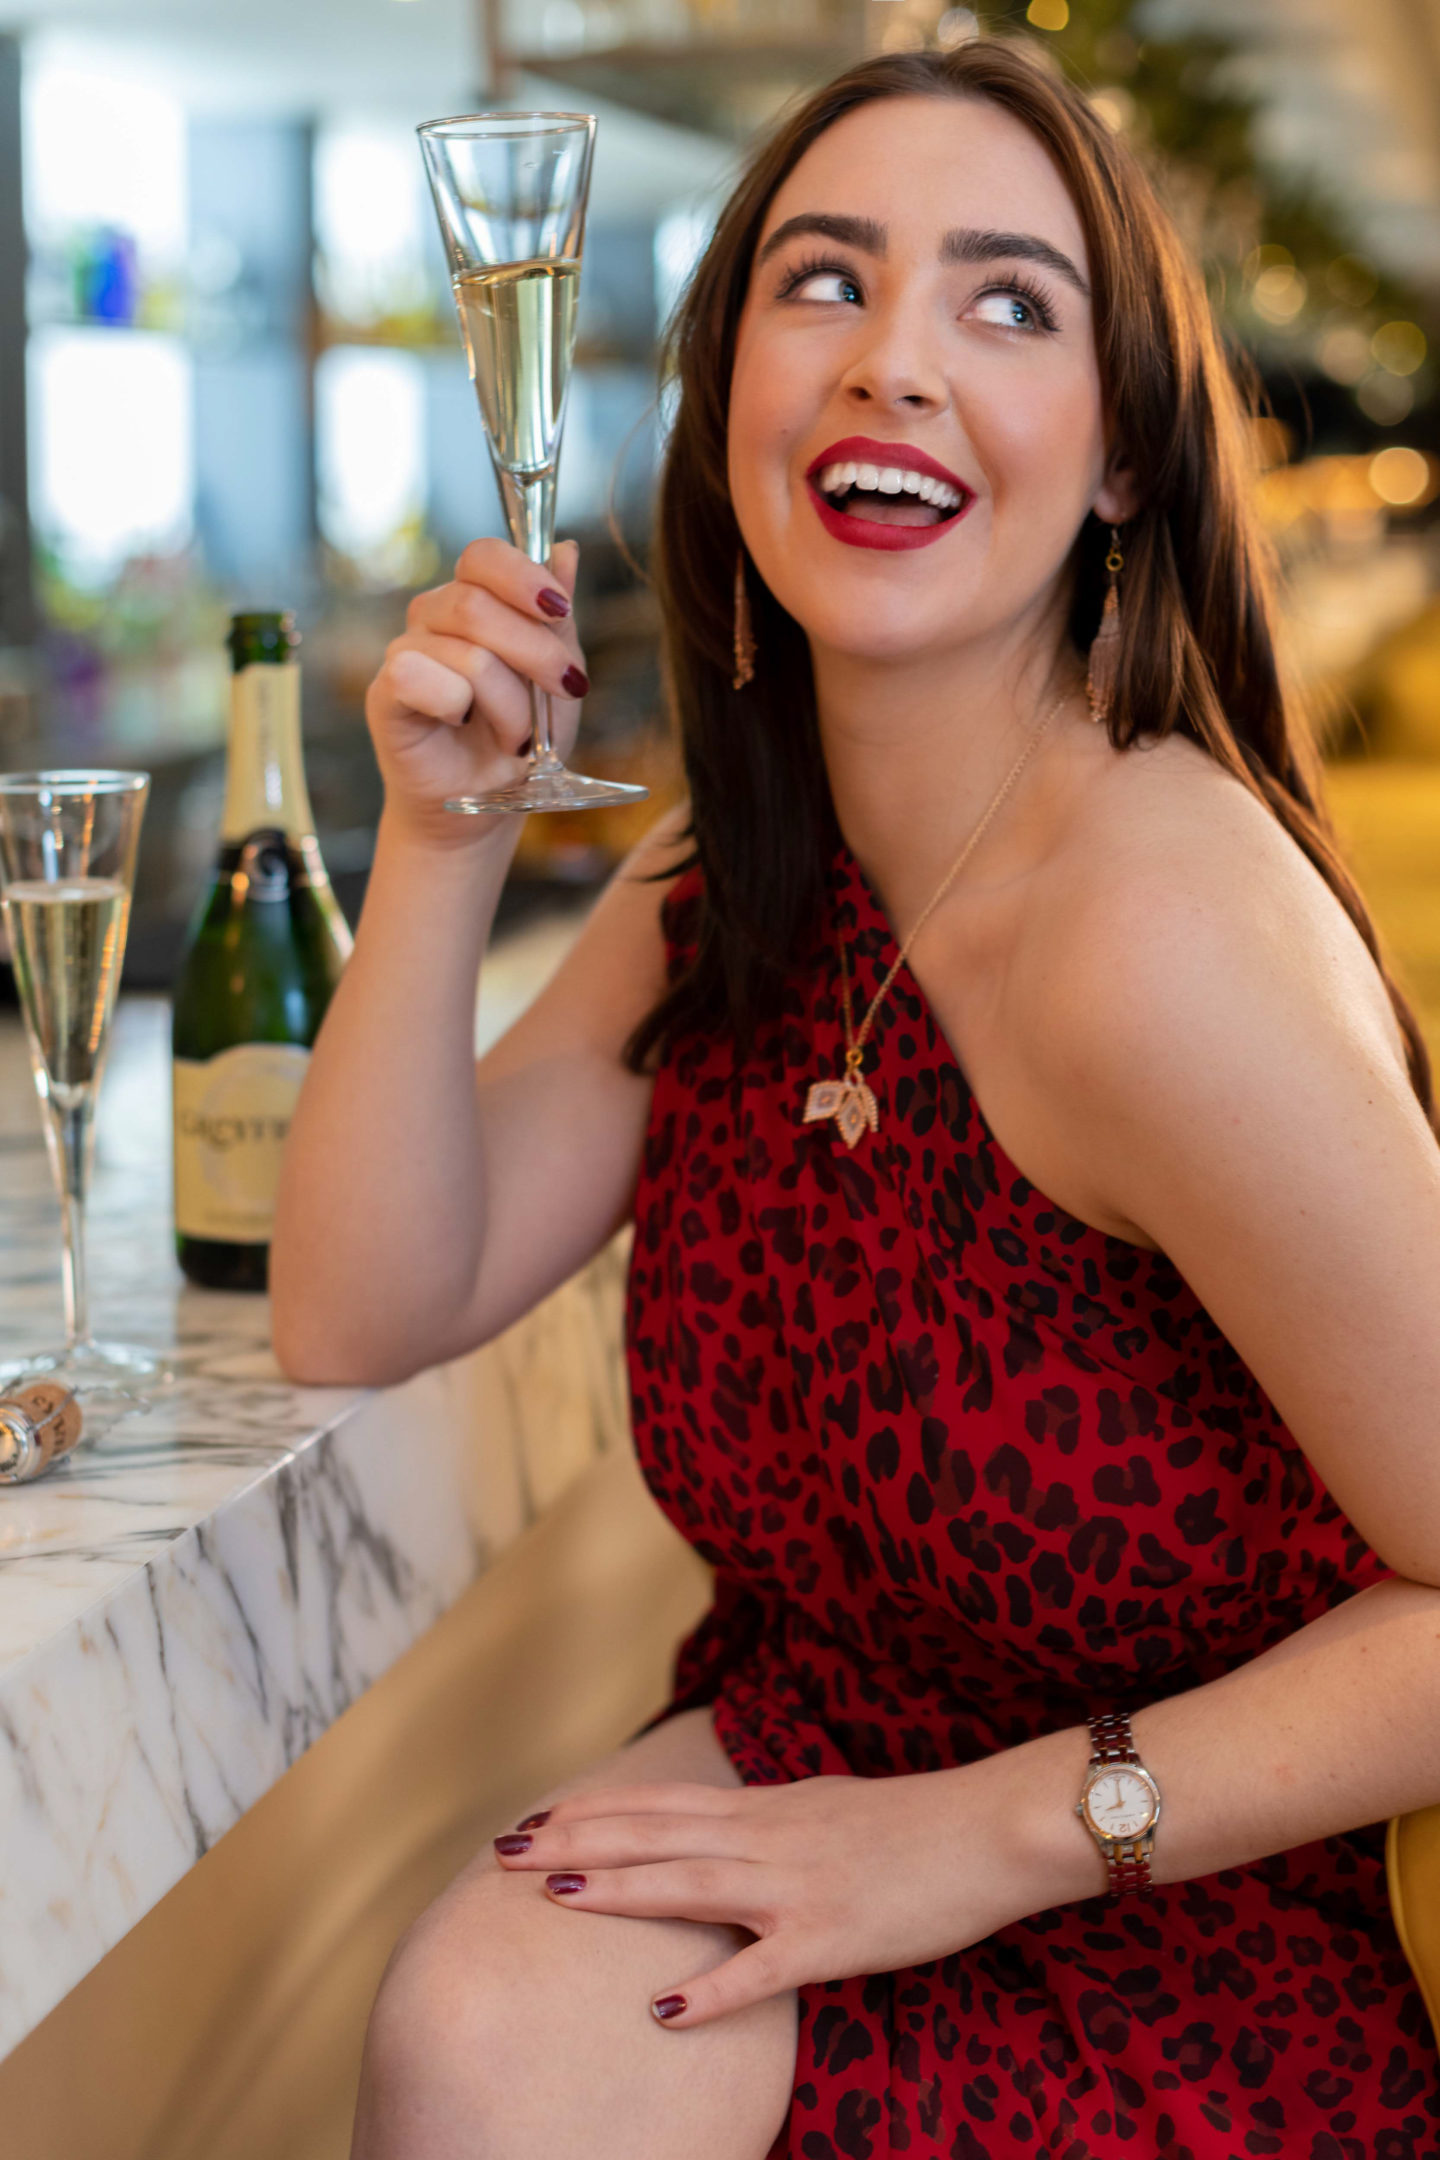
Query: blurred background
230	374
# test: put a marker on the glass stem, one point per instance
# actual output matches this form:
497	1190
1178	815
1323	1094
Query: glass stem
70	1151
529	499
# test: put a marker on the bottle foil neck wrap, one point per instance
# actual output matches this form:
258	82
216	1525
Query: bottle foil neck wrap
265	770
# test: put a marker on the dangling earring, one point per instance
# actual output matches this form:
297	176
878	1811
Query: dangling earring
1105	647
744	635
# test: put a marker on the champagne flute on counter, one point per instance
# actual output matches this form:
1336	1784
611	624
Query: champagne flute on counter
510	192
68	842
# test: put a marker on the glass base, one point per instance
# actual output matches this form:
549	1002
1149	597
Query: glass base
554	788
99	1371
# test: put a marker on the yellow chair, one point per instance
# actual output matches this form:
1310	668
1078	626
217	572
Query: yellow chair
1412	1864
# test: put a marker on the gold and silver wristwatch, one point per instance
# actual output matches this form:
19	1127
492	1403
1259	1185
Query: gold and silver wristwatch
1119	1803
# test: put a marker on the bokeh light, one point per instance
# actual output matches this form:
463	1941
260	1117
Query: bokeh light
1399	347
1279	293
1386	399
1344	353
1401	477
1115	106
1352	280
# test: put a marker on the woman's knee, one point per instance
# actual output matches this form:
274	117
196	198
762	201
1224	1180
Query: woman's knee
450	2014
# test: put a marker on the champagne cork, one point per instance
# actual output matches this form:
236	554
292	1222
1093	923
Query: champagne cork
39	1423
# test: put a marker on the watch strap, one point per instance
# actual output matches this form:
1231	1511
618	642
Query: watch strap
1111	1740
1127	1860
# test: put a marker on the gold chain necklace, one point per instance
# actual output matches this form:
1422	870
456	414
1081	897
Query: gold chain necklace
849	1101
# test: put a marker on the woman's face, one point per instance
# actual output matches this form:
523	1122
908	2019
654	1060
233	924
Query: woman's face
916	431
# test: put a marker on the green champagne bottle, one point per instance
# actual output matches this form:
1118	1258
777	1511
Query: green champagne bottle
264	957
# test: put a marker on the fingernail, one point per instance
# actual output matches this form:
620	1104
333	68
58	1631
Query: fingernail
533	1822
510	1845
564	1885
552	603
669	2006
575	682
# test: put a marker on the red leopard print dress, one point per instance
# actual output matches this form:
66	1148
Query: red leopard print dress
966	1468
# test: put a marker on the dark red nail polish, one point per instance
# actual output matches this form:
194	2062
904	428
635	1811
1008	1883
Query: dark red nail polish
575	682
552	603
669	2006
533	1822
511	1845
564	1885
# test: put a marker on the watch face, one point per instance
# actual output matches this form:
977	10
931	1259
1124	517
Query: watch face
1120	1803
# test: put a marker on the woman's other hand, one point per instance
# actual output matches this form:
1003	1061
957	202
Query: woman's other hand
833	1876
449	711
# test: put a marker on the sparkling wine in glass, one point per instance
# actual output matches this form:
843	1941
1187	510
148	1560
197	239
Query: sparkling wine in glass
68	842
510	191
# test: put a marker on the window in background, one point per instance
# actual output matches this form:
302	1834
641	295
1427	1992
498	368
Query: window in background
376	257
111	430
370	457
112	473
680	241
105	192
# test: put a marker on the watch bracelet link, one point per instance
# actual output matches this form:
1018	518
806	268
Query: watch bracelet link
1127	1861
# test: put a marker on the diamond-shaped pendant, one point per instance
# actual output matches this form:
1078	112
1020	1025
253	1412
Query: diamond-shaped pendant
849	1101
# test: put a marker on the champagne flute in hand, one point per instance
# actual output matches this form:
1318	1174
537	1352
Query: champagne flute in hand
510	191
67	867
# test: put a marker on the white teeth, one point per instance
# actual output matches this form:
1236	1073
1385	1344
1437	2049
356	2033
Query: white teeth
888	480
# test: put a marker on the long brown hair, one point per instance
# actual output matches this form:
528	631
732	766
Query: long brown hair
1198	622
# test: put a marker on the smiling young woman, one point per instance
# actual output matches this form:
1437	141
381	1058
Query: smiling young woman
1037	1230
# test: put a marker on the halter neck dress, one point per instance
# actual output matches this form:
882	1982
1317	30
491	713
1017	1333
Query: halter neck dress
967	1468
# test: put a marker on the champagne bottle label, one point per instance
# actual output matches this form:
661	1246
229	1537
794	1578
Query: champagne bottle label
232	1113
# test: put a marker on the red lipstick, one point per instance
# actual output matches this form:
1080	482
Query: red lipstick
868	532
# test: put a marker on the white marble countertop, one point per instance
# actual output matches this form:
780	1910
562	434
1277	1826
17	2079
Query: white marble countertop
188	1602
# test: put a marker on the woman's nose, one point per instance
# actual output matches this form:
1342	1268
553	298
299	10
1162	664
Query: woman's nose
895	364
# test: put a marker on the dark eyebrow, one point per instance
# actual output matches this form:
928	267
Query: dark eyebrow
859	232
966	245
962	244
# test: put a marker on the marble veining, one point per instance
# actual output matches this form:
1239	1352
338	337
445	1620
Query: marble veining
194	1596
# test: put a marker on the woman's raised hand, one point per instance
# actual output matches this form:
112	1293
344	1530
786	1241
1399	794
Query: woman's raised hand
449	711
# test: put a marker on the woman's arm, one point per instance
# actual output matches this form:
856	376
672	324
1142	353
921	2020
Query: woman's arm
1221	1057
426	1203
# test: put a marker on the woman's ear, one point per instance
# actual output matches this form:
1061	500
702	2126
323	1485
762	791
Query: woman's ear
1119	495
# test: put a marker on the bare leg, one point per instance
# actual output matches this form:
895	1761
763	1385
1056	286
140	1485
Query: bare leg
506	2029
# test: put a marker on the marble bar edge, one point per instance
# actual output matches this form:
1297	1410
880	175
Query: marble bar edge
134	1737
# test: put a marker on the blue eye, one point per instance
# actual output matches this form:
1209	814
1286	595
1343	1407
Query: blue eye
1020	307
829	285
1015	313
823	282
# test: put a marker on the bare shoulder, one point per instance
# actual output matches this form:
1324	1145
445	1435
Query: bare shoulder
1175	908
1183	986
